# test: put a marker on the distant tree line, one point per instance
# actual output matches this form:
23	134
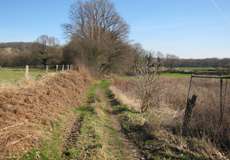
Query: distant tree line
208	62
45	50
98	39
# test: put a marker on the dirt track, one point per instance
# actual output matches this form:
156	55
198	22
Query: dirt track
100	135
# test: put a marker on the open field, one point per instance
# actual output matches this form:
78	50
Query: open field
196	68
183	72
164	74
13	75
175	75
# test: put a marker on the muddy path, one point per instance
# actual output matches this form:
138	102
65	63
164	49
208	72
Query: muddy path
97	134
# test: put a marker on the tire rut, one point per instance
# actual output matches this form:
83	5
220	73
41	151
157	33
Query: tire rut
72	138
129	149
132	151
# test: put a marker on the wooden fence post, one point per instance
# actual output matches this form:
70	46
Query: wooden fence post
57	68
221	103
27	72
63	68
47	68
188	115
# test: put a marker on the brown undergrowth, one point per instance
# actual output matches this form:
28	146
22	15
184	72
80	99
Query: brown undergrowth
28	113
172	101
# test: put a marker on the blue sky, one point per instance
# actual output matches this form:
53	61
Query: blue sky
187	28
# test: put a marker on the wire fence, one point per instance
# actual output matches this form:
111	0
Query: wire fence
13	74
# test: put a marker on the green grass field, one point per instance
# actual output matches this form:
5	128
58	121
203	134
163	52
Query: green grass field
175	75
13	75
196	68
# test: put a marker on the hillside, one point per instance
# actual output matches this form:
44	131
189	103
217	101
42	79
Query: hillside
16	44
17	47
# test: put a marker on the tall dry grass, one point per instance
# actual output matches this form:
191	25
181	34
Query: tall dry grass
172	93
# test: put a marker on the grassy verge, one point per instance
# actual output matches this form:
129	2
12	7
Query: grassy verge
87	143
51	146
154	141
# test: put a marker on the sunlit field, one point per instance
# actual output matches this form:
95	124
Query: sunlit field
175	75
196	68
13	75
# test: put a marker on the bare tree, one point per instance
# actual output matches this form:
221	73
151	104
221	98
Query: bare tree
47	40
160	55
100	34
147	81
93	18
48	44
171	60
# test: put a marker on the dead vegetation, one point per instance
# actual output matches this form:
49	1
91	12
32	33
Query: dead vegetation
172	102
29	113
155	142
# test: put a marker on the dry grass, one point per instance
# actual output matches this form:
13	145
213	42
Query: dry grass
30	111
172	101
125	99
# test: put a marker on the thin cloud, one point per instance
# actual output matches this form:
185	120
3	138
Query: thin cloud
220	10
